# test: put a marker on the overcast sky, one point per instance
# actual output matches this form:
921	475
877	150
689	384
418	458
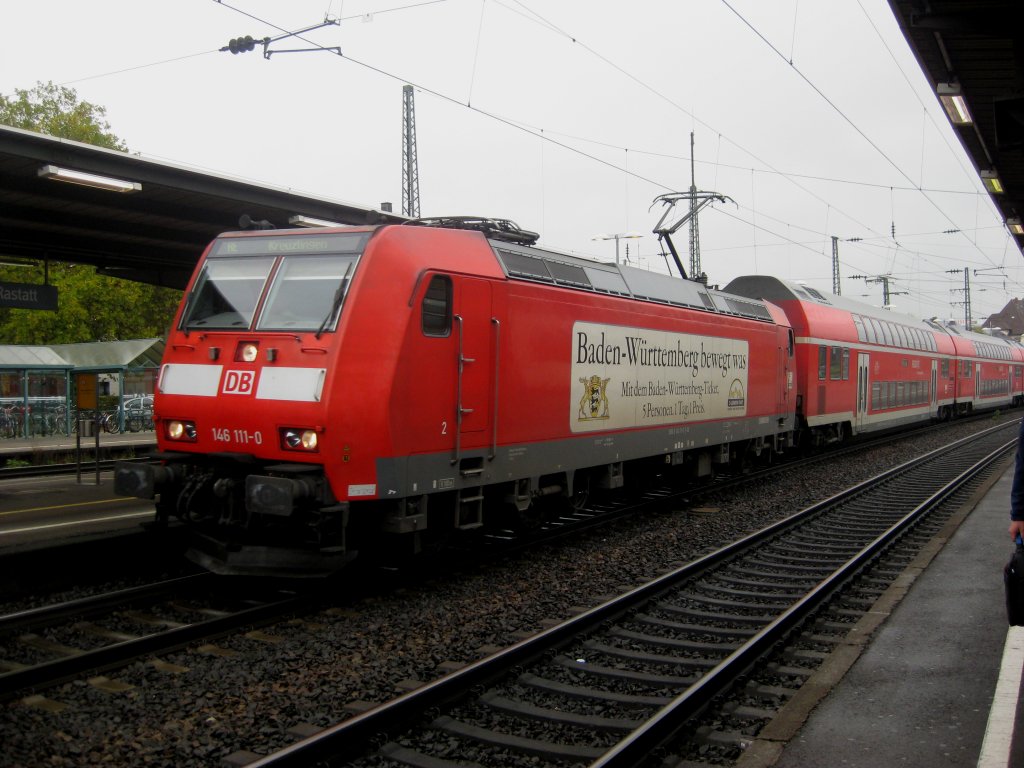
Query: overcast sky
568	117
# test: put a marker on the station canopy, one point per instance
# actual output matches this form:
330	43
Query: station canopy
133	217
974	50
91	356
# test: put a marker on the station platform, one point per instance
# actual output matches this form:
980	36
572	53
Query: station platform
38	449
932	677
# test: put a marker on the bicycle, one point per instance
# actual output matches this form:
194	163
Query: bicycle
10	422
57	420
109	423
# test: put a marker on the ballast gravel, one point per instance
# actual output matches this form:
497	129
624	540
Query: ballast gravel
197	706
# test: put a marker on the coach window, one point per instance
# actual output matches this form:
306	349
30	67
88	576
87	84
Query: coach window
437	307
822	362
835	367
874	330
859	325
887	334
846	363
945	368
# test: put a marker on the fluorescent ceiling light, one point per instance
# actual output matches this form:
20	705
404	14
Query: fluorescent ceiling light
89	179
992	182
1015	226
309	221
954	103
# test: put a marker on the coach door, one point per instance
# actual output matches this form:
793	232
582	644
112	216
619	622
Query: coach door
786	366
474	332
935	386
863	389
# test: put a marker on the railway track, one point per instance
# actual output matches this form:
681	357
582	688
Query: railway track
47	645
620	681
605	509
48	470
62	658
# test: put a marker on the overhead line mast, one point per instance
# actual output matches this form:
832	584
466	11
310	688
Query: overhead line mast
695	270
410	165
698	200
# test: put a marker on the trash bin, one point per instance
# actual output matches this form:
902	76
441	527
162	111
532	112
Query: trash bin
87	428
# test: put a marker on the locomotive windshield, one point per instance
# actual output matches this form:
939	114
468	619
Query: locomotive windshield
226	293
306	293
303	277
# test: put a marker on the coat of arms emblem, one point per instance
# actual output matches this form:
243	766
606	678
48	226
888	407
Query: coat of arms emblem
594	403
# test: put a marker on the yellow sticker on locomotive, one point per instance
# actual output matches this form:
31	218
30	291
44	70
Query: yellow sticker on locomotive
637	377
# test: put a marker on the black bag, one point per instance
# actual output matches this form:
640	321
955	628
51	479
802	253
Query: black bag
1013	579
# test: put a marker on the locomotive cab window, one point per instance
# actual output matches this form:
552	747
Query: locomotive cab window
227	292
307	293
308	282
437	307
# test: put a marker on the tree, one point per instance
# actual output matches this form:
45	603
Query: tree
56	110
91	307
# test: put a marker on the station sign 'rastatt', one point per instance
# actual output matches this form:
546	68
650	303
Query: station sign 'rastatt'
28	296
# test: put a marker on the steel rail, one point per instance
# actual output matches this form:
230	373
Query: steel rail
45	470
632	750
349	738
117	654
46	615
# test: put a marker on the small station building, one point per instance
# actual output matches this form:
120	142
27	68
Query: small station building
38	384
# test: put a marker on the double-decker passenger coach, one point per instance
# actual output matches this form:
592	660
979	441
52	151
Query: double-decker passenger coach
988	370
861	368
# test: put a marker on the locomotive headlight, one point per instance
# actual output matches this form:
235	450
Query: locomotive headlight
181	430
247	351
299	439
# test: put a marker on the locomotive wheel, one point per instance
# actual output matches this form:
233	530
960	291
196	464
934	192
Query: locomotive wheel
581	492
529	519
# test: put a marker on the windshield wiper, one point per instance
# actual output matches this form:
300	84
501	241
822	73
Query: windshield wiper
336	303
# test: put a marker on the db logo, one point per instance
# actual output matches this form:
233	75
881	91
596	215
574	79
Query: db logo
239	382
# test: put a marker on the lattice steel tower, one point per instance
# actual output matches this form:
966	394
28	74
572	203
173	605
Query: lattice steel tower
410	166
837	285
695	273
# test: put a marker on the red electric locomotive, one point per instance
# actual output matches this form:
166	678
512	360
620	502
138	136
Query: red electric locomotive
324	390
